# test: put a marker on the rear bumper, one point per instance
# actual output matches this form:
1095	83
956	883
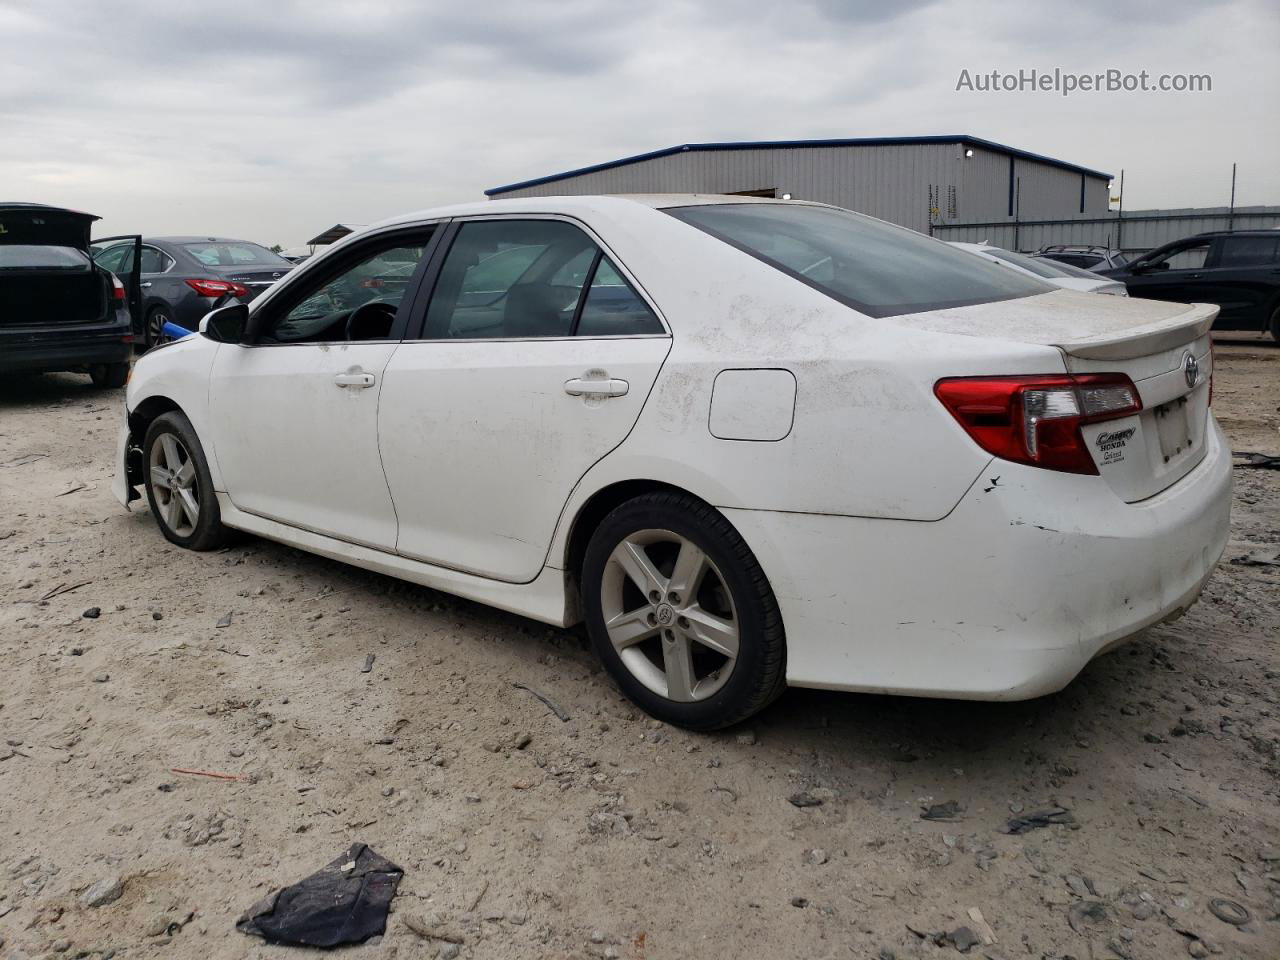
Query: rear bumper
1007	598
54	350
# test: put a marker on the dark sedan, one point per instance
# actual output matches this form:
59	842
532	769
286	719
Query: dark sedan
183	278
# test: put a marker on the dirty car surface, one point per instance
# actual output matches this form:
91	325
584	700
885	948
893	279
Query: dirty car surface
750	443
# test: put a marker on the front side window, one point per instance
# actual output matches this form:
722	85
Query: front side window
358	301
876	268
112	258
1184	258
512	279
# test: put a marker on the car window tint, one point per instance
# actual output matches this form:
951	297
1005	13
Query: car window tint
24	256
509	278
1186	258
877	268
239	254
112	257
1248	251
154	261
377	282
613	308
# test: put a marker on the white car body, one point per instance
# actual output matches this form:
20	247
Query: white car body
1050	271
904	557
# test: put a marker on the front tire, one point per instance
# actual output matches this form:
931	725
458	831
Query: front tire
179	486
109	375
1274	325
154	332
681	614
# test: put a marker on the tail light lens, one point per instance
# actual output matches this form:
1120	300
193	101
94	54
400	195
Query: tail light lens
1036	420
217	288
117	288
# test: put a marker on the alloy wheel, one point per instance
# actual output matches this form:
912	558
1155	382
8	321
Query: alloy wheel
155	327
173	484
670	615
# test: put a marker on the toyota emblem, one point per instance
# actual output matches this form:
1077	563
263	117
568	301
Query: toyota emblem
1191	369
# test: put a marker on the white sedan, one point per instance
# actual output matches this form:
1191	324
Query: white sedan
751	443
1053	272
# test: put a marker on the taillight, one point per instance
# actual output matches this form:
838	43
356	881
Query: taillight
117	288
217	288
1036	420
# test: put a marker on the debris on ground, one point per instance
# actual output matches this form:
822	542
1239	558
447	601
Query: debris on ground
1268	557
346	901
1085	914
804	799
551	704
948	812
1228	911
368	663
1051	816
1264	461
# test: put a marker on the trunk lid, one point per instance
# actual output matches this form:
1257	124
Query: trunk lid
257	279
33	223
1164	348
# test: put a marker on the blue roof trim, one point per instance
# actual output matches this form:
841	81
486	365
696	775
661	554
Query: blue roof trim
791	144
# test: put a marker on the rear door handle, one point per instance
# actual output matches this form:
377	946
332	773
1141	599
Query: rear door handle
145	283
577	387
357	380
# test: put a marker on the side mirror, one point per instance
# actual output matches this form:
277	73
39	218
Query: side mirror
226	324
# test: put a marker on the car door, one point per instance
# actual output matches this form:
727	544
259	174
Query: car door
119	255
294	410
1244	273
535	356
1174	272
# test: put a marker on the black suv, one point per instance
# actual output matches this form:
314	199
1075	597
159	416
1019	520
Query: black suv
58	309
1239	271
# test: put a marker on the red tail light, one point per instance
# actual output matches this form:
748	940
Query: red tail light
1036	420
217	288
117	288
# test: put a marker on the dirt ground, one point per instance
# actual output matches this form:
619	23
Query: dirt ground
607	835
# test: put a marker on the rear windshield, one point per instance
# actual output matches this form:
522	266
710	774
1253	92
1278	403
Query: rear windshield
22	256
215	254
875	267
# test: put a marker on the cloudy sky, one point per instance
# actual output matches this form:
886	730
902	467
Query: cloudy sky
271	120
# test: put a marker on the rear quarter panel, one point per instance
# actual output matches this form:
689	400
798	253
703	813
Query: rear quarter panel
869	438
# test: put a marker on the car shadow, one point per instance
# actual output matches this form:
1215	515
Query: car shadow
21	390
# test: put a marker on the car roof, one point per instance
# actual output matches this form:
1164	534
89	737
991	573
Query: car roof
196	239
578	204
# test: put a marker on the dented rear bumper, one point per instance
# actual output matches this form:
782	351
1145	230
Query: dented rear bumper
1008	597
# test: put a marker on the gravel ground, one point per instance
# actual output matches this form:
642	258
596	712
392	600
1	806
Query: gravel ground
606	835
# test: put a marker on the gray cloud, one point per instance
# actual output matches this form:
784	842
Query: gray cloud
270	120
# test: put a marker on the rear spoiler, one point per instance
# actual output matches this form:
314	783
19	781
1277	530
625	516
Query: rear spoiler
1182	328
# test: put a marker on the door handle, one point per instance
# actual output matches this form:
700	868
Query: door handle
578	387
357	380
145	284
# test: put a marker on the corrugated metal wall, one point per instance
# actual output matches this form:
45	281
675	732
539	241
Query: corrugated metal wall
1139	230
893	182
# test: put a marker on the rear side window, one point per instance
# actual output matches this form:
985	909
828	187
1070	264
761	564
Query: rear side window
512	279
876	268
1248	251
154	260
22	256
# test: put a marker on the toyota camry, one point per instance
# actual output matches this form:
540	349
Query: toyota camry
751	443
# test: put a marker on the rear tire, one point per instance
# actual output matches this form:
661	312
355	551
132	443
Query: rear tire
1275	322
700	644
109	375
179	485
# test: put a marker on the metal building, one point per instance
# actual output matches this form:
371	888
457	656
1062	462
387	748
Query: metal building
913	181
